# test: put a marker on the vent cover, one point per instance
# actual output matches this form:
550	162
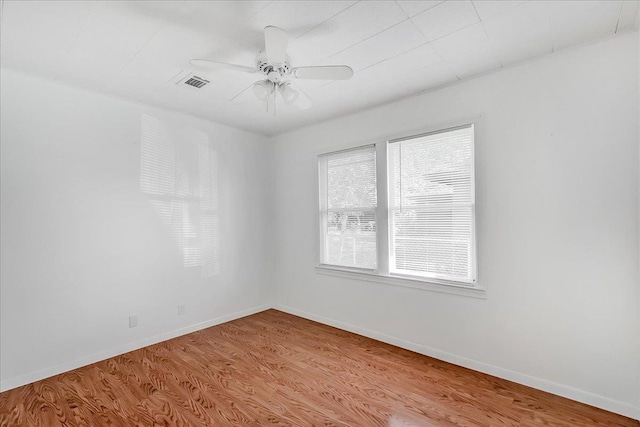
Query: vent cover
196	81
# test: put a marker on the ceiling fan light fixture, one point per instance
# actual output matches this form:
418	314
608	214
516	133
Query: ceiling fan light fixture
262	90
289	95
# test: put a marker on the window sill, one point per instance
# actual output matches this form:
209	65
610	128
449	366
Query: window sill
415	283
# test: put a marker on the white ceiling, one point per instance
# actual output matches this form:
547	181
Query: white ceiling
140	49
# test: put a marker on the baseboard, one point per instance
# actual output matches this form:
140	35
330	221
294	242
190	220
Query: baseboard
517	377
97	357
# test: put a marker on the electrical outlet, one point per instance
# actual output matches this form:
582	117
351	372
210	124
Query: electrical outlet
180	309
133	321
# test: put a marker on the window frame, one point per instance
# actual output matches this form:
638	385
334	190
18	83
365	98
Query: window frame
321	223
432	277
382	273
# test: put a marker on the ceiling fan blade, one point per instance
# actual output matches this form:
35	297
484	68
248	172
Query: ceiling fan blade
275	44
303	102
207	63
328	72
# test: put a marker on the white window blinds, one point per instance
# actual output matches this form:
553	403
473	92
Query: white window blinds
347	208
431	206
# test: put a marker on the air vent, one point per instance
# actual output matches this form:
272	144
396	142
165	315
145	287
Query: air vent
196	81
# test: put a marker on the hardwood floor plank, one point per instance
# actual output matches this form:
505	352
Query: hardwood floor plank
277	369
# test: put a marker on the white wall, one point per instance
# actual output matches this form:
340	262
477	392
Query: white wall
557	174
83	247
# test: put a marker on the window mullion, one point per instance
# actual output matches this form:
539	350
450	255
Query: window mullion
382	208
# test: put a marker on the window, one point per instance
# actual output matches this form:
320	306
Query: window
347	208
431	205
424	226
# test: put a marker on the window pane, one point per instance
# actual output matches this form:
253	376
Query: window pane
351	180
347	207
433	241
351	239
431	205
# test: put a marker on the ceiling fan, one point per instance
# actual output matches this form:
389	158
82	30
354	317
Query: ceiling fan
279	75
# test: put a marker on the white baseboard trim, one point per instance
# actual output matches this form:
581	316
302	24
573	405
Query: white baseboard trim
97	357
517	377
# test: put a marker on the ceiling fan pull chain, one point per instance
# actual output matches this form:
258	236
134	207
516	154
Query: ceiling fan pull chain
275	100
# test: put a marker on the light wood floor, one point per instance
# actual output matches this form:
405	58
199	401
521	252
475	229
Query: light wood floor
276	369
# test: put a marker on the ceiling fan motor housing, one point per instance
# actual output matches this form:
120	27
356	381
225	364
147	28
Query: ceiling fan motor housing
263	65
